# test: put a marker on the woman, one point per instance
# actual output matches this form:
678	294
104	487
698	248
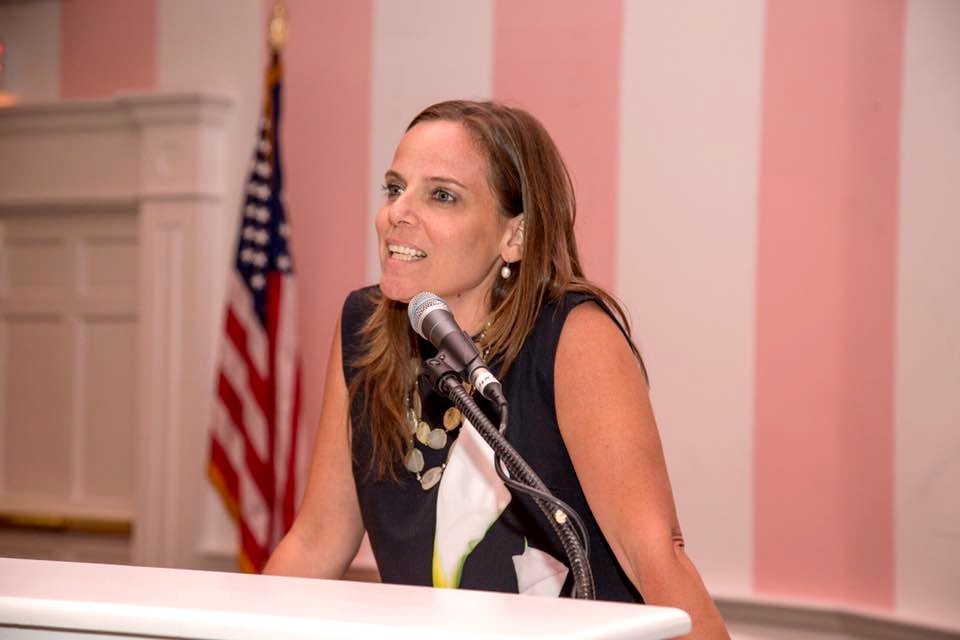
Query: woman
479	209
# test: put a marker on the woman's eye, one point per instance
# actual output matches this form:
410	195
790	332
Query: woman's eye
442	195
391	190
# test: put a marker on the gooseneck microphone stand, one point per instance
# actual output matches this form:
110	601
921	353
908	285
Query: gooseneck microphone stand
562	518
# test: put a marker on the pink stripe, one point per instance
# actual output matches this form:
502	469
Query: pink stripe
325	145
107	46
561	61
826	300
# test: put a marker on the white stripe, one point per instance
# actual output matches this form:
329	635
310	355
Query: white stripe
927	437
235	371
286	369
241	303
690	115
256	512
424	51
253	508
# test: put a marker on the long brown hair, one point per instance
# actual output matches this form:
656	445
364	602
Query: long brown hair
528	176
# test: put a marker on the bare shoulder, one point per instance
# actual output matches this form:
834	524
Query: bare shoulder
590	337
589	317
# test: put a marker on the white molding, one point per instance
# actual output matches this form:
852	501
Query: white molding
181	108
122	111
86	203
160	155
773	620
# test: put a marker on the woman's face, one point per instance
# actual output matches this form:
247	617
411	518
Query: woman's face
440	229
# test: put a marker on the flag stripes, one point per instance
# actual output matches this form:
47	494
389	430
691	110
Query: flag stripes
254	433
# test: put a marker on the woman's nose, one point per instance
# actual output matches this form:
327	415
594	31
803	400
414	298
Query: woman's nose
400	210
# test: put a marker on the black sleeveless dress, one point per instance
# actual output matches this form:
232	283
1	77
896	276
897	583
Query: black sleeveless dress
401	518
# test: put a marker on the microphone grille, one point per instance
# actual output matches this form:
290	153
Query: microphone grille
420	305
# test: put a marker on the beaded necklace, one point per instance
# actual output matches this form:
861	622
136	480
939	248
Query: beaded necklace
420	431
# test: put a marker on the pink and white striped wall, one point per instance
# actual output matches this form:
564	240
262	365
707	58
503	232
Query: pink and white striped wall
771	186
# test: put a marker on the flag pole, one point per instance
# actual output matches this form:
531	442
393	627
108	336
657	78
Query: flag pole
278	26
254	431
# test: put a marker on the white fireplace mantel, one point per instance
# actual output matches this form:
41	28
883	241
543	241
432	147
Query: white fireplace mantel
125	148
160	157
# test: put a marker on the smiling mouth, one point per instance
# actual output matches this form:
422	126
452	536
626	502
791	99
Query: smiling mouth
400	252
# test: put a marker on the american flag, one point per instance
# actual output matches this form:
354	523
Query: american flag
253	436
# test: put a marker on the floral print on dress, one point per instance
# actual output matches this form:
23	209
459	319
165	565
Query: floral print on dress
470	498
539	573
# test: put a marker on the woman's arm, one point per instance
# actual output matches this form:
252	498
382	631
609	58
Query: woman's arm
608	427
327	531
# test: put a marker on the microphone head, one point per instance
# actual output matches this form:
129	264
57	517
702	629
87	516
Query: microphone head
422	304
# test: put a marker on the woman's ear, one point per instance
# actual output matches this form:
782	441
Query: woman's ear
512	246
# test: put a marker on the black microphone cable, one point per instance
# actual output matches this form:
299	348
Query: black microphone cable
565	522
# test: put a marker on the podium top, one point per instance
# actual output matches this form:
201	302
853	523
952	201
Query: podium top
143	601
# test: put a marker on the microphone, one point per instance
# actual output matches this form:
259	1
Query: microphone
430	317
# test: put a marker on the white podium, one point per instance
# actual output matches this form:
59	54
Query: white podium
72	600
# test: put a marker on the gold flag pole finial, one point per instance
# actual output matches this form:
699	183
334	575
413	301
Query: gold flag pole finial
278	26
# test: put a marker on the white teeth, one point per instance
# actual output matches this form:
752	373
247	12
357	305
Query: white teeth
401	252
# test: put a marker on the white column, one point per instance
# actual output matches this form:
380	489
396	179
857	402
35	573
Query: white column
181	192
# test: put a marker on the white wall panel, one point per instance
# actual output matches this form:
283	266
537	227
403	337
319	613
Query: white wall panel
109	265
37	434
690	114
424	51
109	409
35	266
68	326
928	318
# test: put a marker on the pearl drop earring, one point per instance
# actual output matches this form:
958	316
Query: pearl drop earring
505	271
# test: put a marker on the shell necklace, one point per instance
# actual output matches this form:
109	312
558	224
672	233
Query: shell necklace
419	430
